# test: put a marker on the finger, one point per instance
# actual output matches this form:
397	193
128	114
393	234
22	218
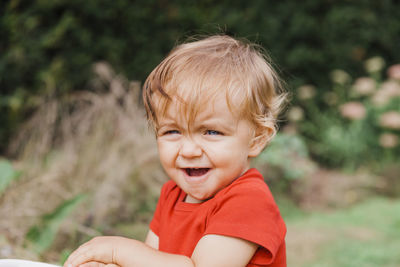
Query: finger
75	253
98	249
89	253
93	264
82	256
97	264
72	259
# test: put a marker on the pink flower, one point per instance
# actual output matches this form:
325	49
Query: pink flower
340	77
394	72
305	92
390	120
364	86
387	91
374	64
392	88
388	140
295	114
353	110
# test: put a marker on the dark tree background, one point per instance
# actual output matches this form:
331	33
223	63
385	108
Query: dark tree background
47	47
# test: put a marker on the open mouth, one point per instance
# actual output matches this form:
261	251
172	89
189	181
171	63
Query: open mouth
196	171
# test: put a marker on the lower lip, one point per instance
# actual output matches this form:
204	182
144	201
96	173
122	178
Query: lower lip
195	180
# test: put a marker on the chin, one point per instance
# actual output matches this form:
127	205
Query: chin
202	197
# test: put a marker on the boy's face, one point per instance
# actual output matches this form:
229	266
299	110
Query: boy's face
210	153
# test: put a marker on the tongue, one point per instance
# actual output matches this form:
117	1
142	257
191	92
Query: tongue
197	172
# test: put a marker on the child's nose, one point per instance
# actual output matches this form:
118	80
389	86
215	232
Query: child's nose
189	148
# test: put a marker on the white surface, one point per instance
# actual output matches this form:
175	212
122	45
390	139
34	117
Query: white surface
23	263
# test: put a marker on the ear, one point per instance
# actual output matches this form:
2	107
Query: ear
260	141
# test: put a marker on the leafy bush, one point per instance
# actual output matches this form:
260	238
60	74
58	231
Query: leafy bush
360	122
286	157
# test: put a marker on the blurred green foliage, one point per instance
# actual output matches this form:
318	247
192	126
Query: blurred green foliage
41	236
47	46
286	157
7	175
360	124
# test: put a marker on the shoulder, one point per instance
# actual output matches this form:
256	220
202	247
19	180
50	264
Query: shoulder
168	188
251	185
248	197
246	209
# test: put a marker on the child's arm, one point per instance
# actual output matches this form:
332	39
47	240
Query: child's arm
98	264
152	240
124	252
211	250
218	250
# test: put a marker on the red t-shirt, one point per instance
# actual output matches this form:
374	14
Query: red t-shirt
245	209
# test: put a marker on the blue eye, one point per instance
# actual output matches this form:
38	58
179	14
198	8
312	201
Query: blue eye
171	132
213	132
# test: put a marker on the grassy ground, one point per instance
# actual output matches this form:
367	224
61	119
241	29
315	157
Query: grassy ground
367	234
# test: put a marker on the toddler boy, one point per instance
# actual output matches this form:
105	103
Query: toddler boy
213	105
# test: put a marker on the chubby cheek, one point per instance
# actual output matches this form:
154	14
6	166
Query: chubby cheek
225	156
166	154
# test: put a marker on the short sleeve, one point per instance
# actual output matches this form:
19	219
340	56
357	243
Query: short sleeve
249	212
155	222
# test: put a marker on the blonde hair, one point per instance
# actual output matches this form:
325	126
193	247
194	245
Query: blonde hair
196	72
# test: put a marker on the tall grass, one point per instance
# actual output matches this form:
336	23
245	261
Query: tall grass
92	142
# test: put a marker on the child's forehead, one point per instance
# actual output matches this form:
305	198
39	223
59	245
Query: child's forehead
200	108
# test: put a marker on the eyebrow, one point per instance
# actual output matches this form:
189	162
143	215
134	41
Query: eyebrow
217	123
166	123
209	123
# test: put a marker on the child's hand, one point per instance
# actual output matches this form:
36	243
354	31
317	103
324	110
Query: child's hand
98	252
97	264
112	251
